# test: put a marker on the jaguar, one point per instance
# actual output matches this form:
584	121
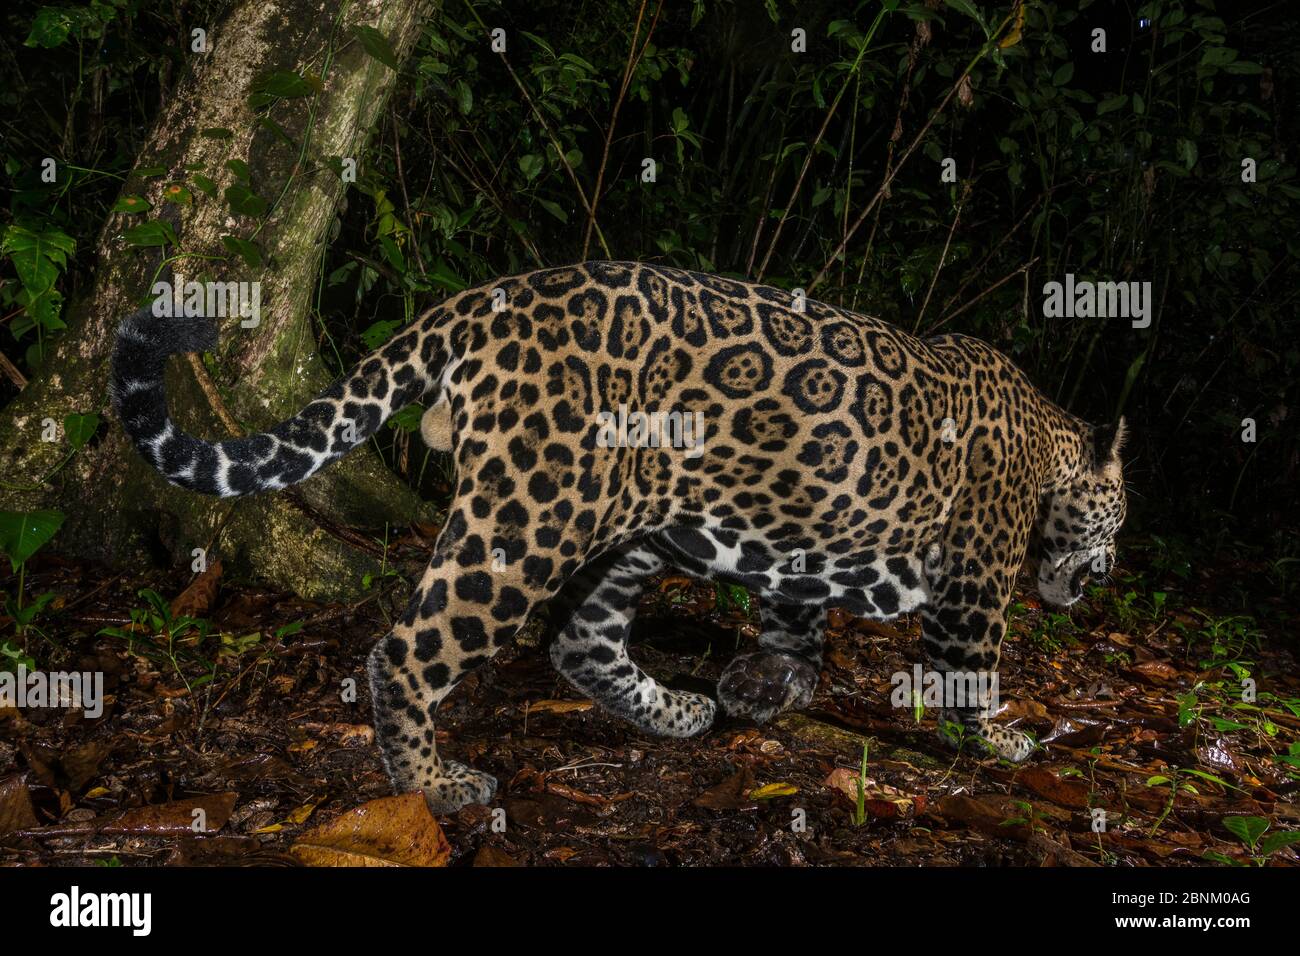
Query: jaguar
841	463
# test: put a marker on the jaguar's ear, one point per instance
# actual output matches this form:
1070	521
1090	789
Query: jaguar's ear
1107	442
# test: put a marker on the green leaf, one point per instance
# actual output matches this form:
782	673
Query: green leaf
967	8
22	534
50	28
132	204
729	596
1276	841
150	172
282	84
392	253
250	252
1111	103
1214	856
1218	56
1247	829
79	429
245	202
408	419
531	164
1243	68
1063	74
205	185
554	209
464	97
379	333
240	169
155	232
38	256
216	132
178	194
377	45
442	274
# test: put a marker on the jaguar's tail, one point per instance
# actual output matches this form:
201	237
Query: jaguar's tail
339	419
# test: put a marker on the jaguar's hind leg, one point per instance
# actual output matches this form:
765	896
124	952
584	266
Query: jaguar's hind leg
462	613
594	614
785	672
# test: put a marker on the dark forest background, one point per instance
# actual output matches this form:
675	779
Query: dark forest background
1122	165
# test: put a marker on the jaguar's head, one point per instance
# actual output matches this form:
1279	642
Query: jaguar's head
1078	523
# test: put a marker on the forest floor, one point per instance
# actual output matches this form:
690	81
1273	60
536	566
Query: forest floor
1150	754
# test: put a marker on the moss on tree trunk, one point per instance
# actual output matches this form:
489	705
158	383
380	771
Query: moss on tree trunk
117	507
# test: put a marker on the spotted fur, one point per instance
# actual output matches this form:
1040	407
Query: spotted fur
844	463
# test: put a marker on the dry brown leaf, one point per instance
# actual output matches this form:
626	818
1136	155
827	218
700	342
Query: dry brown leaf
1154	672
390	831
1063	791
492	856
175	818
879	800
16	812
197	599
559	706
731	794
1022	708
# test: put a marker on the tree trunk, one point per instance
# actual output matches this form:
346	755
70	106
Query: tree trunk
117	507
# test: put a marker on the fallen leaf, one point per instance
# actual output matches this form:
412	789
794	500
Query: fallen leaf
1216	755
491	856
81	764
174	818
16	812
559	706
1022	708
346	732
301	814
731	794
390	831
1154	672
1063	791
197	599
1073	732
878	799
770	790
1056	853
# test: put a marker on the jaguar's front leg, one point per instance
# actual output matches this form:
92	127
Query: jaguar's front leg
784	673
963	642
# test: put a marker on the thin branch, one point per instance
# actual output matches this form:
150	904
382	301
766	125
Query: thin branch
1006	278
942	258
633	61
